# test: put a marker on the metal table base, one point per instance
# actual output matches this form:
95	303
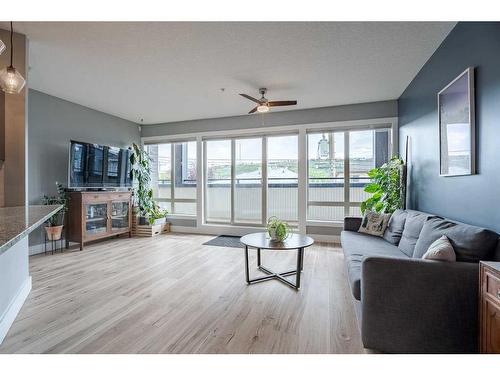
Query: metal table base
272	275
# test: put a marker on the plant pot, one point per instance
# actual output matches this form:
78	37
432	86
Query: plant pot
143	220
54	232
161	220
272	233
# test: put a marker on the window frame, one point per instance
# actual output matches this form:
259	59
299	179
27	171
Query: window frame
346	203
172	200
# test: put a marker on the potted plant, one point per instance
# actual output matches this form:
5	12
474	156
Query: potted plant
387	187
140	172
278	230
157	215
55	224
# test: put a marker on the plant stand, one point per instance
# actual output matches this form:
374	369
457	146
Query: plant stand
148	230
53	243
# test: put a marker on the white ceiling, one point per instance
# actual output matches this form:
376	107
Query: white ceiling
172	71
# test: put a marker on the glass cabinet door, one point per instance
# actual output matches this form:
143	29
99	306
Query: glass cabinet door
96	218
119	216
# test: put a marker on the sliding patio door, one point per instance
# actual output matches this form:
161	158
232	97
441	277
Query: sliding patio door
250	179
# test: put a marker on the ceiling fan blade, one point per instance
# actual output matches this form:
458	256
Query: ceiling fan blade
279	103
252	111
250	98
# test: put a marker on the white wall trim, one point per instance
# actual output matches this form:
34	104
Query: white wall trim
392	121
15	306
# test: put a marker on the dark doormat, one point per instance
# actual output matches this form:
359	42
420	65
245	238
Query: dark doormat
225	241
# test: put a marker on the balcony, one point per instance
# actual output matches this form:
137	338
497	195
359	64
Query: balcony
282	198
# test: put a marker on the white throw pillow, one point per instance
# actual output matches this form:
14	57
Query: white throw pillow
441	249
374	223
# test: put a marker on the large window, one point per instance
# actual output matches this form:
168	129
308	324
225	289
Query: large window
282	177
218	184
250	179
332	157
174	176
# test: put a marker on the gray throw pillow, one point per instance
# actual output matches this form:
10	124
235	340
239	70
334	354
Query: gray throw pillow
396	226
374	223
442	250
413	225
471	243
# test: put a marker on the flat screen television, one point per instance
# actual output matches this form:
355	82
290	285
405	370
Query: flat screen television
93	166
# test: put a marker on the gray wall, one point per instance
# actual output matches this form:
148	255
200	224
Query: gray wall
473	199
53	122
295	117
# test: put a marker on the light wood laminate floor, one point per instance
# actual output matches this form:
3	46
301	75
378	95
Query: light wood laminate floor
171	294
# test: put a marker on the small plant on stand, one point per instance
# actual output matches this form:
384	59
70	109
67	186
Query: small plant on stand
278	230
55	224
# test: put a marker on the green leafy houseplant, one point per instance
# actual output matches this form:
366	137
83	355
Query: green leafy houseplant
386	187
140	173
279	230
156	213
56	222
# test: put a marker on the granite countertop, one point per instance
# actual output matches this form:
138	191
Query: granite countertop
18	222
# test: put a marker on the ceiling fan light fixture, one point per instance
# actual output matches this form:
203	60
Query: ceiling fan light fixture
263	108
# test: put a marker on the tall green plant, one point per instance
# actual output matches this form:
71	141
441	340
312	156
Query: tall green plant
140	173
386	187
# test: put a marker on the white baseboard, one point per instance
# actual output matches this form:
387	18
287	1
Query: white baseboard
325	238
241	231
15	306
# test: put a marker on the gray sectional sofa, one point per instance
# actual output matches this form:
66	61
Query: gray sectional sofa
406	304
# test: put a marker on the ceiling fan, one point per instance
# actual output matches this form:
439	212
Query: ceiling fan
263	105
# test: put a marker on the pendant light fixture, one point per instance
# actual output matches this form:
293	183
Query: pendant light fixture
11	81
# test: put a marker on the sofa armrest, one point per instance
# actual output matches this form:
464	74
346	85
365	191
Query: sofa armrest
419	306
351	223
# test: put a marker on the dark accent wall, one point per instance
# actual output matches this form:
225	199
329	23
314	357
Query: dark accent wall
472	199
53	122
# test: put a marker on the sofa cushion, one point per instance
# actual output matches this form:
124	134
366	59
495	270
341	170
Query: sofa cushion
395	228
374	223
471	244
356	247
441	250
413	225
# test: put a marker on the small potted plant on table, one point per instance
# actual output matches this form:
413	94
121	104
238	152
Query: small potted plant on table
55	223
278	230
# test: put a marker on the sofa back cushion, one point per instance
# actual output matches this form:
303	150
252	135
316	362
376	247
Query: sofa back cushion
471	244
396	226
413	225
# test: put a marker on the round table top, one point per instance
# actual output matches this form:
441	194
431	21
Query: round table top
262	240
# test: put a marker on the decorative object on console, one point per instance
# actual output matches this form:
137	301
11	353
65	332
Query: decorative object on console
374	223
11	81
277	229
457	141
387	187
442	250
55	223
